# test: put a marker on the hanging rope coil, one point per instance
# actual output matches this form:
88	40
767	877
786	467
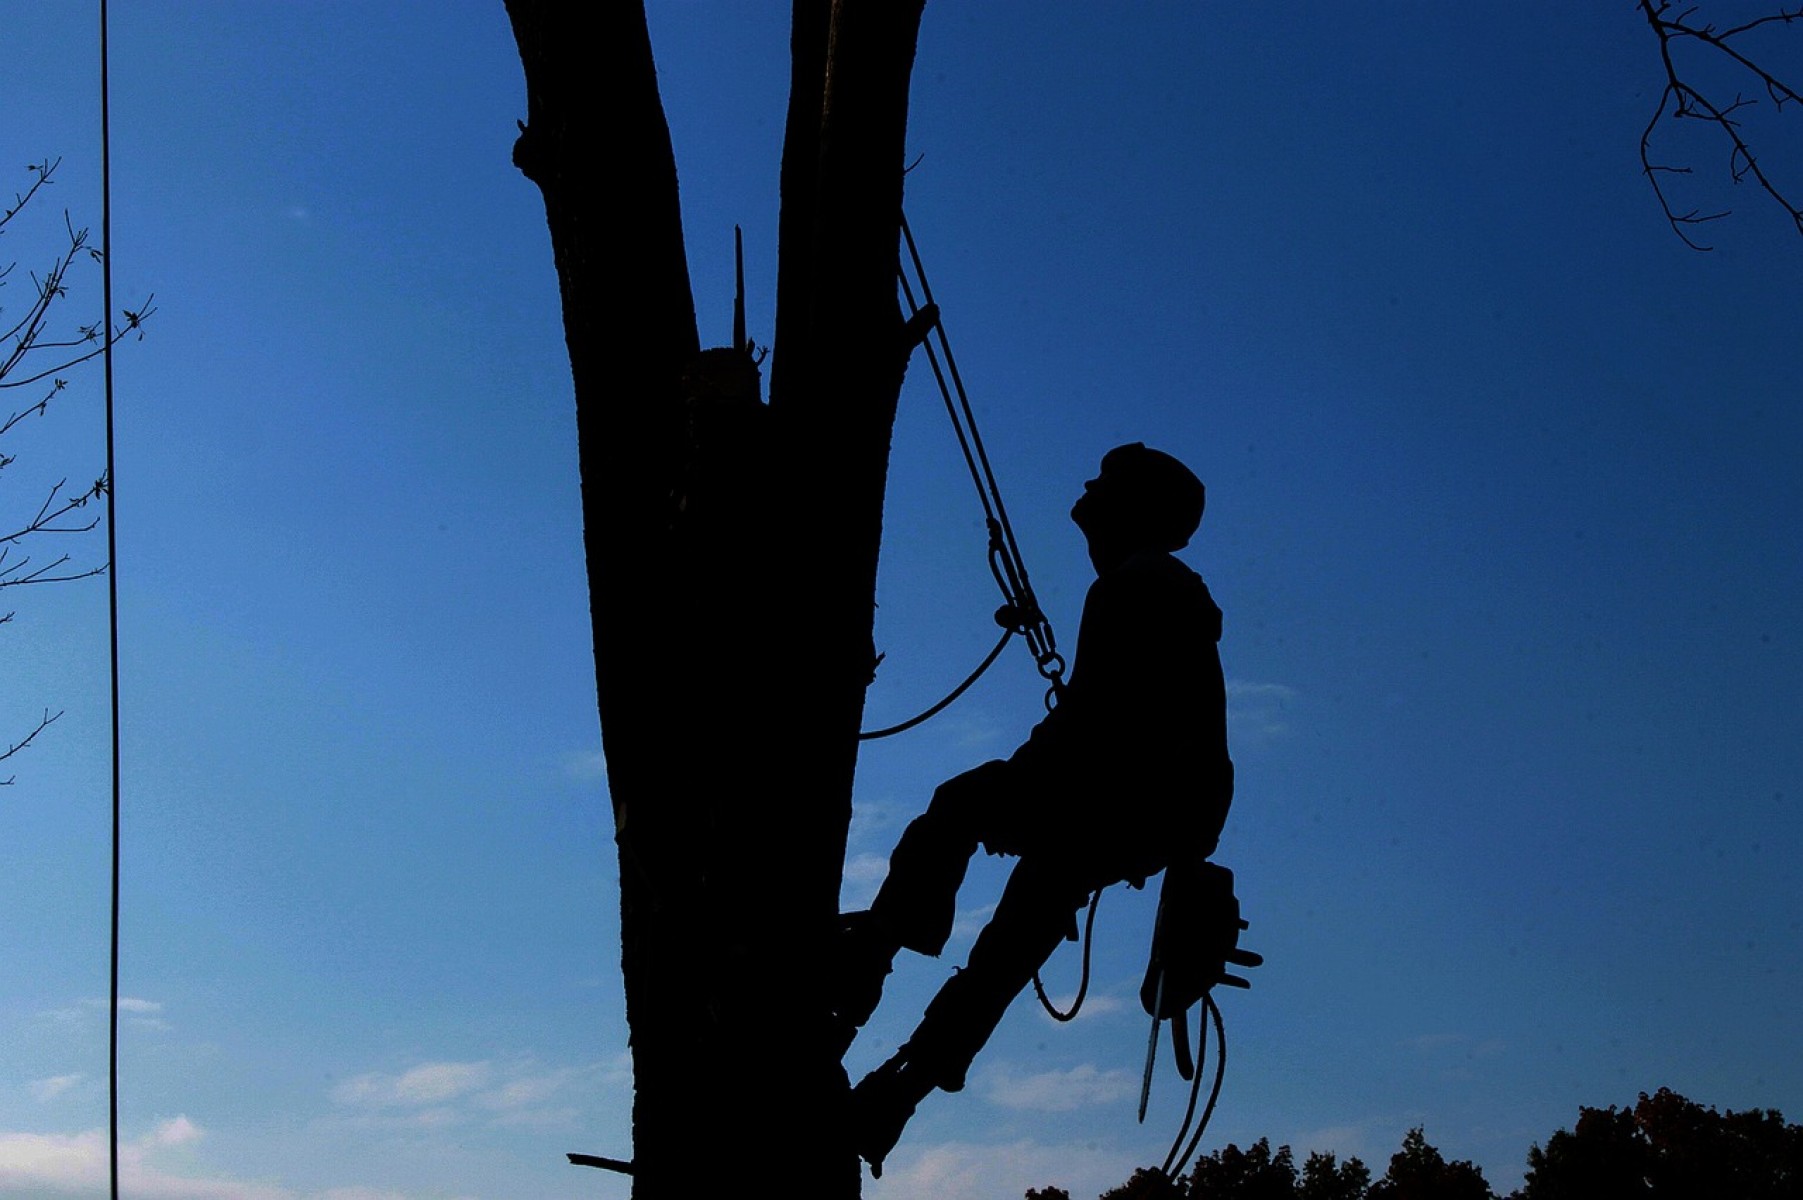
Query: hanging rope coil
1045	1001
1173	1164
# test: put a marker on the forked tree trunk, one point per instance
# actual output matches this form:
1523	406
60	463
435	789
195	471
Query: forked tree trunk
732	570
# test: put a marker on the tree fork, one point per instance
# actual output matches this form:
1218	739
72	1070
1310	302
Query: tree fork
732	594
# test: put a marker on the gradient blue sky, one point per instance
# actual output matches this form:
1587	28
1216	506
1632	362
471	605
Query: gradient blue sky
1503	514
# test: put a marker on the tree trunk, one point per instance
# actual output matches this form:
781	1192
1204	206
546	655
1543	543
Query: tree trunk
732	552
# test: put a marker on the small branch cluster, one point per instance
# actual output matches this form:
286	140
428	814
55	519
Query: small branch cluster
35	353
1682	99
44	723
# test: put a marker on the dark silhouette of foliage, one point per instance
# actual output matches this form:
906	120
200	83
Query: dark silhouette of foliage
1663	1148
1148	1185
1326	1178
1668	1148
1254	1174
1419	1172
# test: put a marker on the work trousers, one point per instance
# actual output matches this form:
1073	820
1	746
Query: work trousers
1059	867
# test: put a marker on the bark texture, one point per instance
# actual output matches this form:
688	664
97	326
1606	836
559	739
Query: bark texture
732	551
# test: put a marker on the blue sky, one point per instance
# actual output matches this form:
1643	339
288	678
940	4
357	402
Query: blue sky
1503	512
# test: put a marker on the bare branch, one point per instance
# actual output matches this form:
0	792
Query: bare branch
47	515
42	172
1690	101
134	322
33	352
38	408
44	723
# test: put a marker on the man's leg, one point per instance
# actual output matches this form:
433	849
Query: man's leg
919	898
1033	916
916	904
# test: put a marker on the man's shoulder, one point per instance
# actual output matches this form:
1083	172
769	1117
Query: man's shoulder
1158	581
1162	571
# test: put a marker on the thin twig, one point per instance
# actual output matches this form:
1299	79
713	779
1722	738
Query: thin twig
1743	163
44	723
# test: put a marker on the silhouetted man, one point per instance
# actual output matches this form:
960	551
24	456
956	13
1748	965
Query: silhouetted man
1126	777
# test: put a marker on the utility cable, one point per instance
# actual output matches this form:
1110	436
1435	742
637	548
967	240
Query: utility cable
112	591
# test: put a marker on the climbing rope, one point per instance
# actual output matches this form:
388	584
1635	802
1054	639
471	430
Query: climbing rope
1020	612
1213	1011
1089	923
1005	561
942	705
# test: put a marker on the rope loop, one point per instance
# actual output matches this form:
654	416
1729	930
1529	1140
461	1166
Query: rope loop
1045	1001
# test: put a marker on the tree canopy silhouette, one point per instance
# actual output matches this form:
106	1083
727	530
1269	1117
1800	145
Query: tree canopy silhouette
1668	1148
1664	1147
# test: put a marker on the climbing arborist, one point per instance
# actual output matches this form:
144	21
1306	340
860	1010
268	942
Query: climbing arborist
1127	776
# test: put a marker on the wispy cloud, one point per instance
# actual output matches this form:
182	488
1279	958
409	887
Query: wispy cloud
1057	1091
43	1090
1258	711
63	1163
436	1095
427	1084
177	1131
138	1012
875	821
864	873
974	727
970	921
77	1164
586	766
966	1171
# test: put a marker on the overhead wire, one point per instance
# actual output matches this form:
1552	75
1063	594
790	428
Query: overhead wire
112	575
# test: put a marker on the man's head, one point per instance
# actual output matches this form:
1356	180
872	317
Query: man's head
1142	499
